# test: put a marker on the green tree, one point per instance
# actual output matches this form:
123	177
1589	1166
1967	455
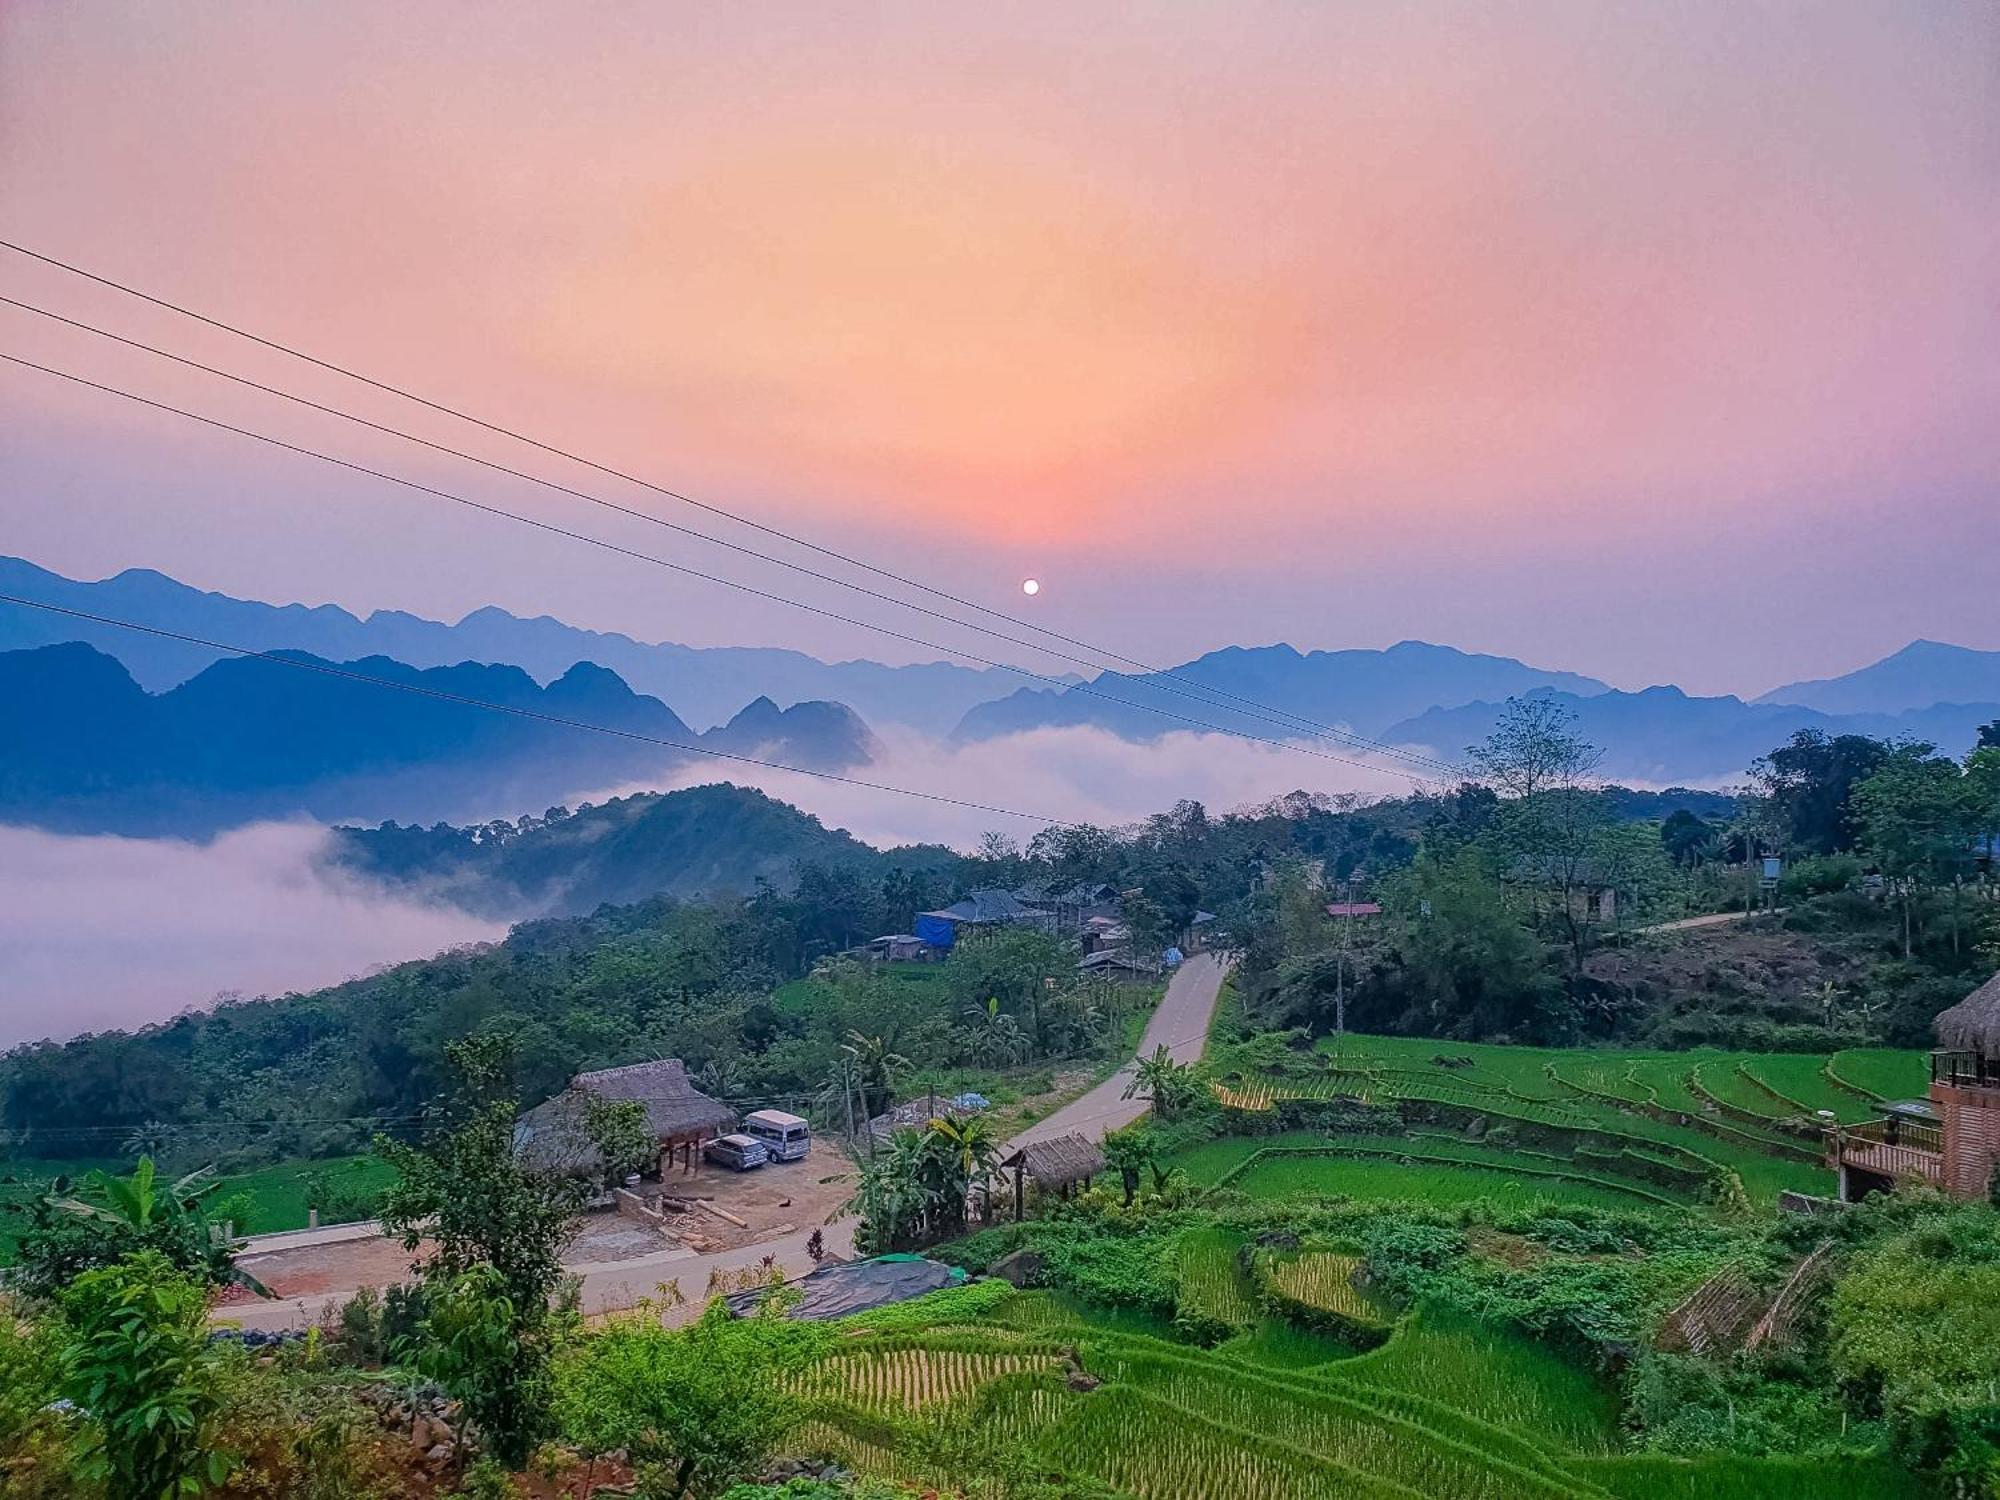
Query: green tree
466	1194
696	1408
470	1342
621	1132
877	1066
1808	781
1129	1152
138	1364
1917	821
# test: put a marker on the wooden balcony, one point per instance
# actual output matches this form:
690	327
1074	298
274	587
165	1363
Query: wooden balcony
1893	1149
1964	1070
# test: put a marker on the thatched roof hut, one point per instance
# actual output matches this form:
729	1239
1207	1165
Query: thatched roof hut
1059	1162
1973	1025
555	1135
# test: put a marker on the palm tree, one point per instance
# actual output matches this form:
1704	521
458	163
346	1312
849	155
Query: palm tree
154	1138
171	1218
721	1077
880	1068
1001	1039
1170	1085
843	1081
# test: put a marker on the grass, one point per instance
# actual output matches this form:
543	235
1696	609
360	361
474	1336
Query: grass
1450	1406
1644	1477
1802	1078
276	1196
1324	1279
1885	1071
1209	1281
1285	1346
1496	1376
1421	1182
262	1202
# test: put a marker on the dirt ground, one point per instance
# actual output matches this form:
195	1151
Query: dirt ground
328	1268
772	1200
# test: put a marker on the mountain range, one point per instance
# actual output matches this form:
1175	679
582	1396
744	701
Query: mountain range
1662	735
1363	691
85	748
705	684
159	768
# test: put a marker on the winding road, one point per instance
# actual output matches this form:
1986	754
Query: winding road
1180	1023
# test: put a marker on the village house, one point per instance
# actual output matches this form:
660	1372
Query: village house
1950	1140
555	1135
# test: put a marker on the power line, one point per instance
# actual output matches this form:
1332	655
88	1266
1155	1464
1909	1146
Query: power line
1260	710
326	669
658	561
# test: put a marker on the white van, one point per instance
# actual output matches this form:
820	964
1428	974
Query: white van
784	1137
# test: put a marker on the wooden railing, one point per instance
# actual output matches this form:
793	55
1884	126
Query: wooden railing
1898	1133
1891	1148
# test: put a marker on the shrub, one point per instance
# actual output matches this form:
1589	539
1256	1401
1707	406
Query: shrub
138	1361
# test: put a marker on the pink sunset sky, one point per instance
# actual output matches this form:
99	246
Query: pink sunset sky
1657	341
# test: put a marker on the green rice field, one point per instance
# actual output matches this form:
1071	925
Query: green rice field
1526	1080
1447	1407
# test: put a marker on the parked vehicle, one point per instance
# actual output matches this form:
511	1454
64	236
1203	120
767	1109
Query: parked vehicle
739	1153
784	1137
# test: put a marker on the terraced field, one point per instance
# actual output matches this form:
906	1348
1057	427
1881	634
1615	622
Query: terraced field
1609	1088
1445	1408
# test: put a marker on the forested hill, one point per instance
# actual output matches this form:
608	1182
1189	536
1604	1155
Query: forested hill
705	840
83	748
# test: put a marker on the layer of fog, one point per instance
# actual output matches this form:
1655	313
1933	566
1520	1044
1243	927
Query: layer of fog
102	932
1076	775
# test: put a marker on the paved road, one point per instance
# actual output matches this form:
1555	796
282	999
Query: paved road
1180	1023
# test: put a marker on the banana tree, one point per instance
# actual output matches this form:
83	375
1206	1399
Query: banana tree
170	1217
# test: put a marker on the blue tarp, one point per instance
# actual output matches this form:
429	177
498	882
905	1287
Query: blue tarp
936	931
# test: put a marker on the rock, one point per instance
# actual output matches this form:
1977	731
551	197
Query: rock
1021	1268
438	1456
1080	1380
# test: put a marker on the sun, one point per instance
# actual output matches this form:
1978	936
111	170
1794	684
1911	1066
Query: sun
1031	586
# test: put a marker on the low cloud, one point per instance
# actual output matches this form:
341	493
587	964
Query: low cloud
1076	775
101	932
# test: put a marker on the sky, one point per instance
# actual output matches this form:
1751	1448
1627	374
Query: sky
1658	341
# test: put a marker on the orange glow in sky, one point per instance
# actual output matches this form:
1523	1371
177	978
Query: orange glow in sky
1274	320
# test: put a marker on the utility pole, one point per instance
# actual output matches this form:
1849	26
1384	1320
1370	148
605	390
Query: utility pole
1340	966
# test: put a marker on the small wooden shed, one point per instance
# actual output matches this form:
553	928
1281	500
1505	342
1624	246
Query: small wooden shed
1057	1165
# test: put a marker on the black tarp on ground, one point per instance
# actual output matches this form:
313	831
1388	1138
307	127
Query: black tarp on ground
857	1286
